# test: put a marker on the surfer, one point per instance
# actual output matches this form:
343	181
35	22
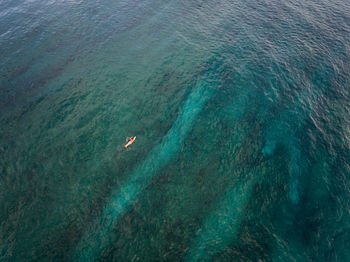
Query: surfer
130	141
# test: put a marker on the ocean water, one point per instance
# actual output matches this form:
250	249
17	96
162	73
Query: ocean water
241	111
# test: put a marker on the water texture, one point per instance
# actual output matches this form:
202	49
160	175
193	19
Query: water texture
241	112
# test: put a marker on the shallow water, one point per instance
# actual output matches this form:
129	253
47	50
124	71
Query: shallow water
241	112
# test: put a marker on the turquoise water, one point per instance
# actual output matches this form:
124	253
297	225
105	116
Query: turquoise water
241	112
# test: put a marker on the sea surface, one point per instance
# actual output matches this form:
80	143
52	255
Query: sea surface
242	115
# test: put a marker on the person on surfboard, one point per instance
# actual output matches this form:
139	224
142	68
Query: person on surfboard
130	141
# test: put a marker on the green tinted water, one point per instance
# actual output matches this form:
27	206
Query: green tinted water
240	112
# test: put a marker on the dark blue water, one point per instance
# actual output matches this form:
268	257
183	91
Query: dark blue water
241	112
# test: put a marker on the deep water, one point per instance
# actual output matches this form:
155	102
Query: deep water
241	111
